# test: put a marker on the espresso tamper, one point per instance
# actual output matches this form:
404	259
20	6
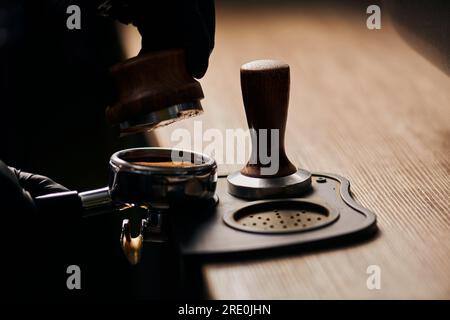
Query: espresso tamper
265	90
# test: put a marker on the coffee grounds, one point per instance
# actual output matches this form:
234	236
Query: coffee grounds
166	164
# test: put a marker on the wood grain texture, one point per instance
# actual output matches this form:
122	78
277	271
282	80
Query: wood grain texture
363	105
150	82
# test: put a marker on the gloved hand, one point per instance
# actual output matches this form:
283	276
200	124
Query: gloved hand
18	188
29	237
169	24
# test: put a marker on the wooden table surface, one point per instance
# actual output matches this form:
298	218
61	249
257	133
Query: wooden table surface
363	105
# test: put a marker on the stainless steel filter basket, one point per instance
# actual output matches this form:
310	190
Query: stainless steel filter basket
162	187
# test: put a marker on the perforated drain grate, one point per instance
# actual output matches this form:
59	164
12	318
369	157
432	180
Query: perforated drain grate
283	216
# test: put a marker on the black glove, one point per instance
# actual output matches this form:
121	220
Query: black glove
19	188
169	24
29	237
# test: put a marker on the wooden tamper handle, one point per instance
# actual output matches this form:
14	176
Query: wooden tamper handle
153	89
265	90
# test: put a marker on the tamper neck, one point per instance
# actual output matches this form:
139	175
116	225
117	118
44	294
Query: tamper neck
265	90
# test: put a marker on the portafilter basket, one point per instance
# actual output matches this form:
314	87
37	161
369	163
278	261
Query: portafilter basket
162	187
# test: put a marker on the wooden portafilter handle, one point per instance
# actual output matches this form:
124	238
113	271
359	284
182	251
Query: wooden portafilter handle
265	90
268	173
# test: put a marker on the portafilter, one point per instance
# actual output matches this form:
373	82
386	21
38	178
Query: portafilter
160	180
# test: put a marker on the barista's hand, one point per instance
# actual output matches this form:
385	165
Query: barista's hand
19	188
28	236
169	24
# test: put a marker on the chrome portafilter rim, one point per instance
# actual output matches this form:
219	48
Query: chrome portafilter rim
162	186
202	161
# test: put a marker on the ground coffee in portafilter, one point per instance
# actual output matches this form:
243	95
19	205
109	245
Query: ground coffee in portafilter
165	164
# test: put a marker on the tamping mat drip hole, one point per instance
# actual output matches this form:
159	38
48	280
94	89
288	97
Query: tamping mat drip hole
281	217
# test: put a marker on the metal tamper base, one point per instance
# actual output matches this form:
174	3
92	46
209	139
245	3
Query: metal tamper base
161	118
251	188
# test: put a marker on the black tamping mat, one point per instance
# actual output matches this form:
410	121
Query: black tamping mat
325	213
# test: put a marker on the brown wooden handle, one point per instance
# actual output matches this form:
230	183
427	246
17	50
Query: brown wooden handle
151	82
265	90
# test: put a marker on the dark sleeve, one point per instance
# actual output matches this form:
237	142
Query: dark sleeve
169	24
12	197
